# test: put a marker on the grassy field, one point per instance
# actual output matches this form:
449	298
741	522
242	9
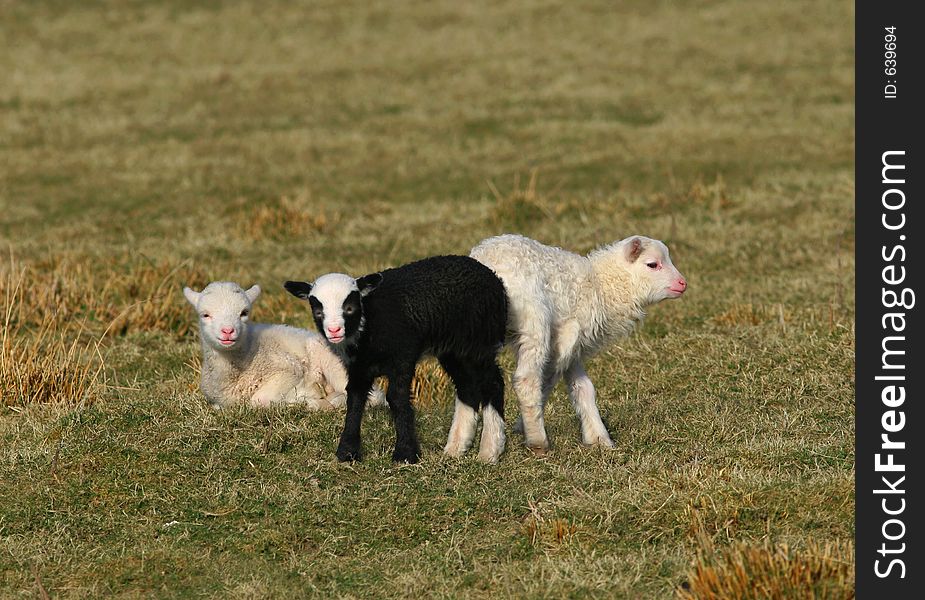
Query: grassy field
150	145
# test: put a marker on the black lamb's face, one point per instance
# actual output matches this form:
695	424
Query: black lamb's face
337	304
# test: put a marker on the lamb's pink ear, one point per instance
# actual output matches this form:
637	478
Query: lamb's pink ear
633	249
252	293
191	296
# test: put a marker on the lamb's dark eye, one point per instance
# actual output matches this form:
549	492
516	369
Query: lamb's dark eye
652	265
245	312
319	314
206	316
349	310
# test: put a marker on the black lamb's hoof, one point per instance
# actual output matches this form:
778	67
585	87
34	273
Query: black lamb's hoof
406	455
348	453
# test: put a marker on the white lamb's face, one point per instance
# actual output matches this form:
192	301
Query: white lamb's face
649	262
223	310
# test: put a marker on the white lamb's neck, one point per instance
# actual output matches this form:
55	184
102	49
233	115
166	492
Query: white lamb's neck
614	295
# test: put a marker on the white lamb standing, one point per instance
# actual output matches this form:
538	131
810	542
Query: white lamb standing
564	308
261	364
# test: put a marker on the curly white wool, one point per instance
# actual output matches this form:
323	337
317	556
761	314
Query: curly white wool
564	308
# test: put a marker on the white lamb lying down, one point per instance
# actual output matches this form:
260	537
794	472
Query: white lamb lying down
564	308
261	364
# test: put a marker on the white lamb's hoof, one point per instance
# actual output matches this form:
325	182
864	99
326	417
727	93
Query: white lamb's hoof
601	441
539	451
455	450
539	445
489	458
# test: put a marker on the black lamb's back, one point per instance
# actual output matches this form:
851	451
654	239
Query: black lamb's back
441	304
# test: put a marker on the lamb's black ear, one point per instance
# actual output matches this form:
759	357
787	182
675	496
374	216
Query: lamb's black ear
299	289
368	283
633	249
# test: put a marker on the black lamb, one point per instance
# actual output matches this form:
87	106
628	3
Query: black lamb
381	324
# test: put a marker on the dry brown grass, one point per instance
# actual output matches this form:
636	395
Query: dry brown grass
50	364
151	291
551	533
751	314
72	293
524	205
761	571
713	197
431	385
773	572
294	215
58	289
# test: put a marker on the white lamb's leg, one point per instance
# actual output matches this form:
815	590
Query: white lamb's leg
462	430
279	389
492	442
528	384
564	340
583	397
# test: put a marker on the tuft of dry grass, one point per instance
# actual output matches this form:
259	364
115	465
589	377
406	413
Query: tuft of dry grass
761	571
712	197
524	205
748	313
70	293
554	532
431	385
151	299
547	532
51	364
524	208
768	571
58	289
295	215
521	205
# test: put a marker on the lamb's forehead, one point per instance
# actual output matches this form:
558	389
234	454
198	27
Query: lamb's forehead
332	289
650	246
219	294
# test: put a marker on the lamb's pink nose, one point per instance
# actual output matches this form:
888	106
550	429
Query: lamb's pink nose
682	284
335	330
227	330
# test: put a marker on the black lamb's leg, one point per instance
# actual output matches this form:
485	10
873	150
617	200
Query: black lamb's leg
399	398
357	391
